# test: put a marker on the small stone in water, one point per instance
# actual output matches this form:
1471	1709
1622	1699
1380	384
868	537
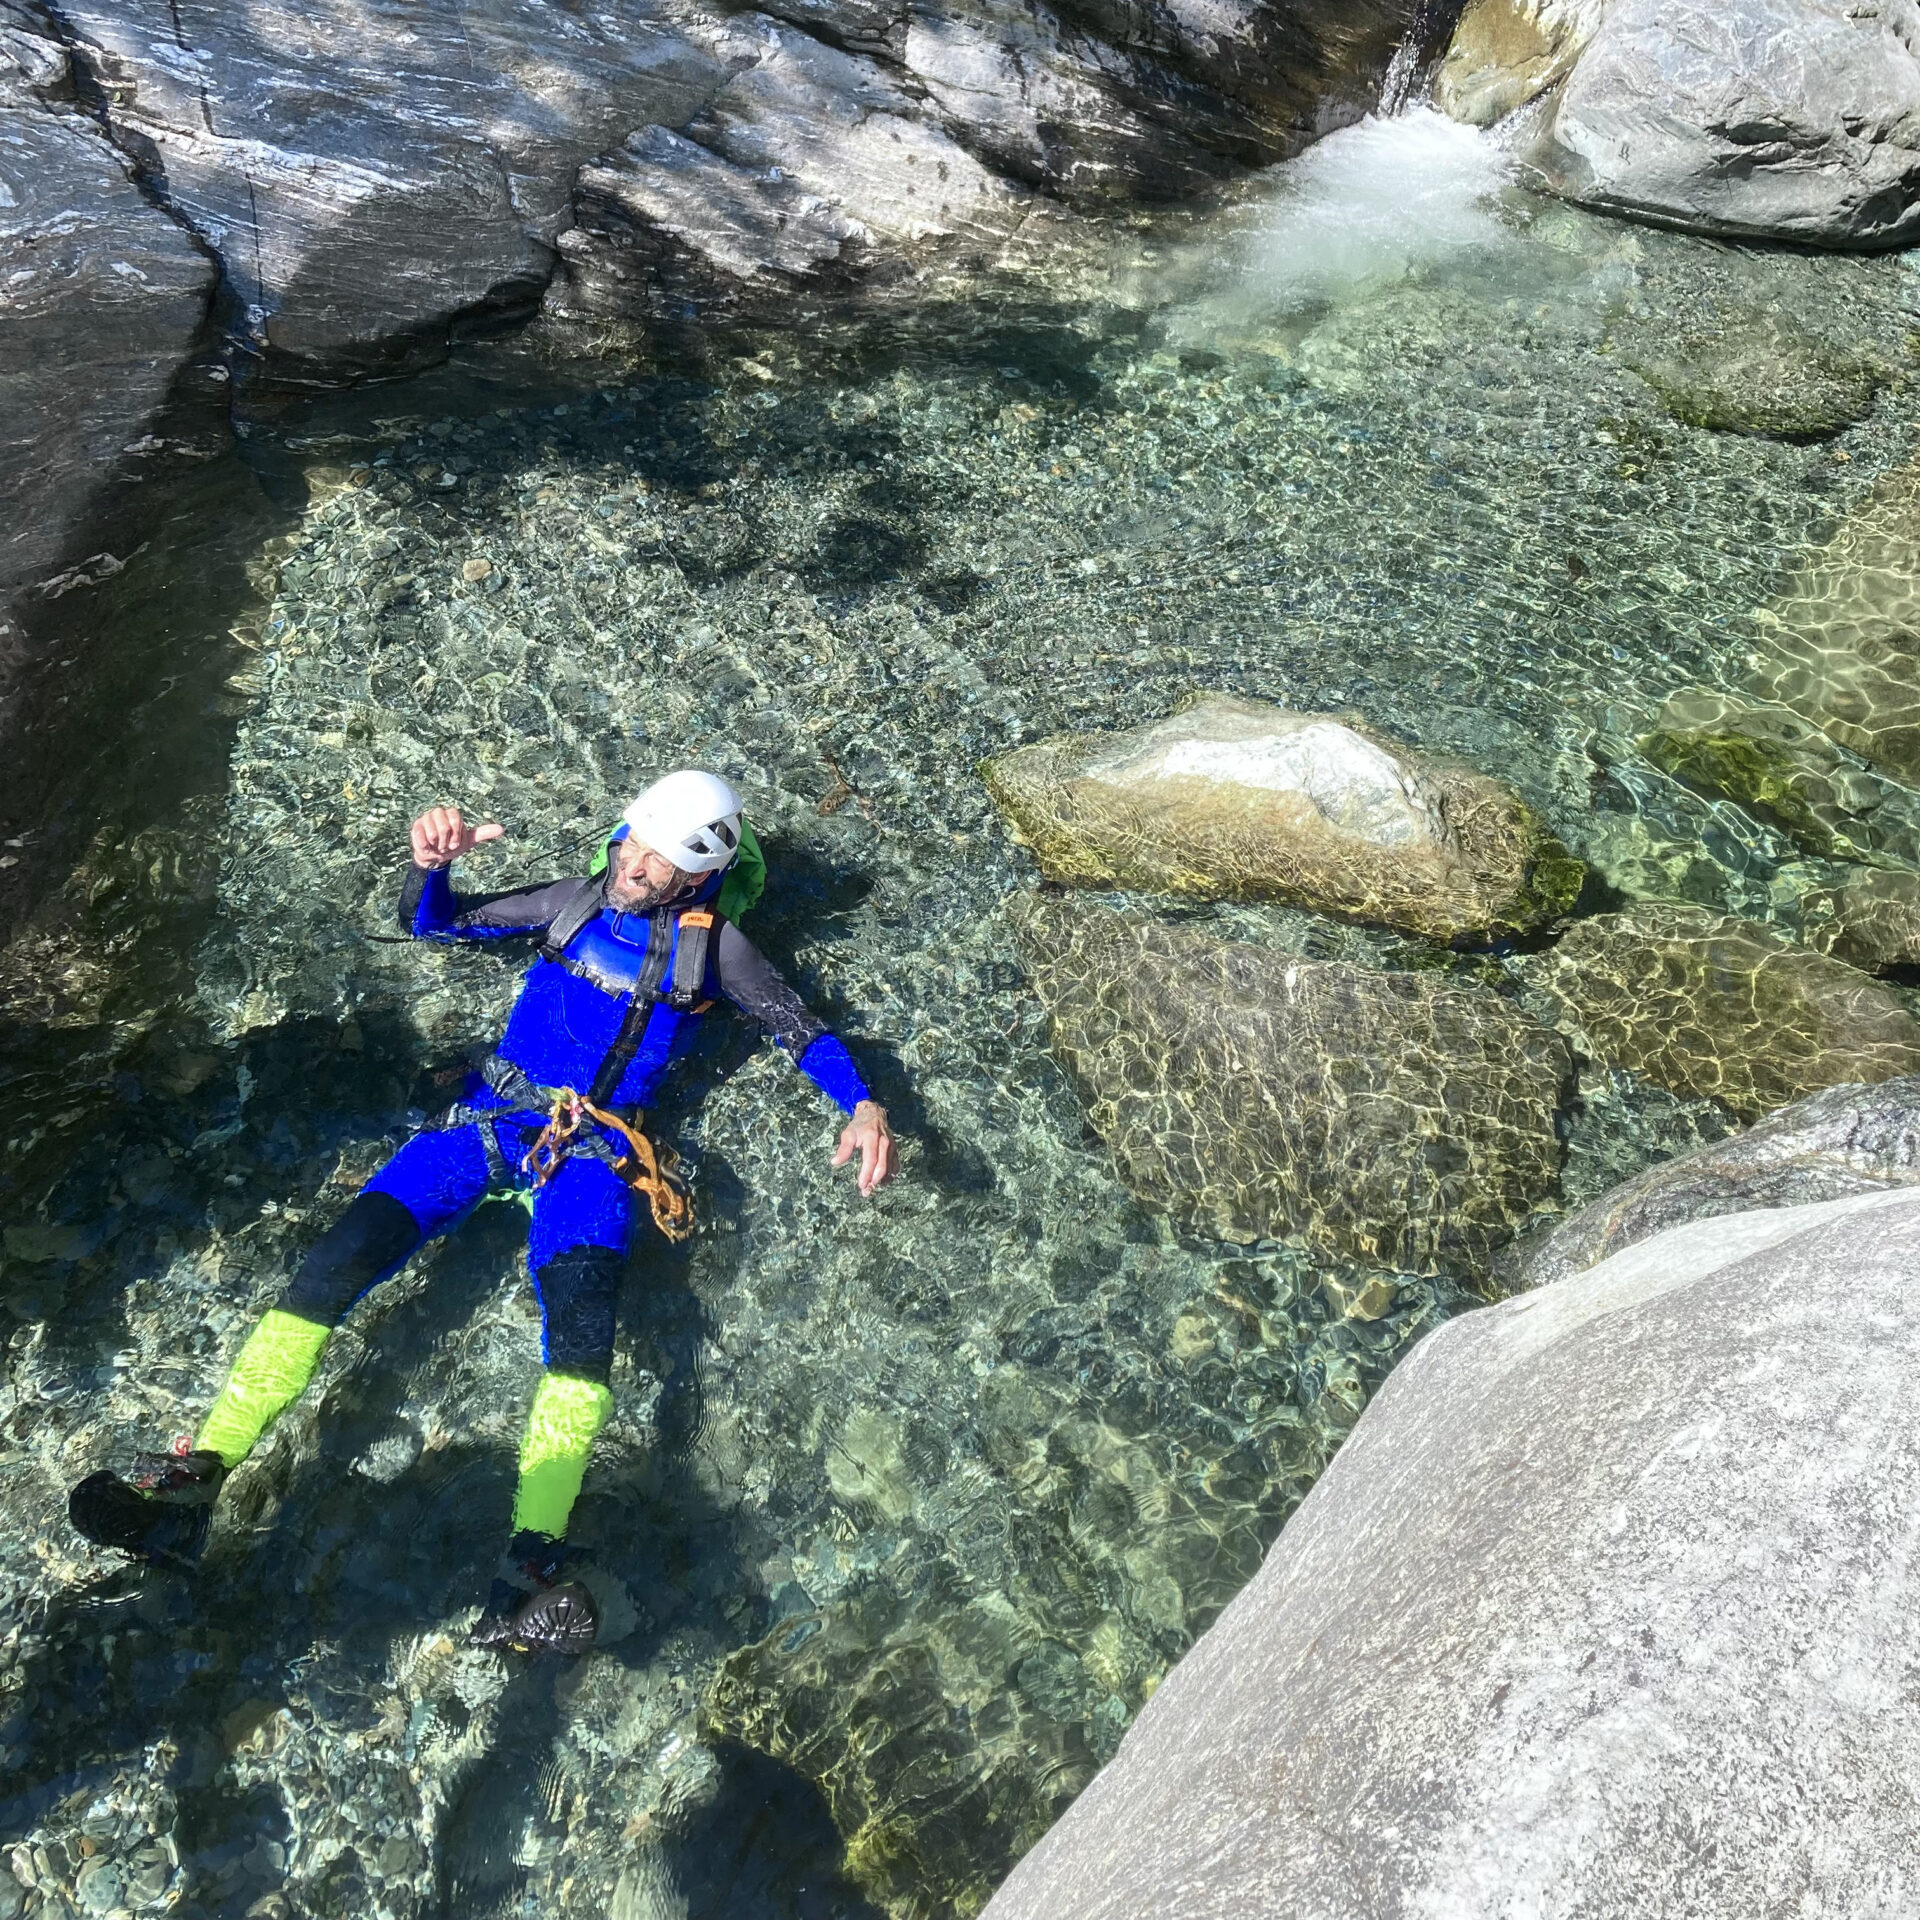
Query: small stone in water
476	569
100	1886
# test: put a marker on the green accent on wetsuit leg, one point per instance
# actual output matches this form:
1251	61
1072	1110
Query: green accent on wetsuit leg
567	1413
270	1372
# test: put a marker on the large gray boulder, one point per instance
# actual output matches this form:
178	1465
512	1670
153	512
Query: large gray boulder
1759	119
1843	1141
1605	1610
103	298
367	175
371	177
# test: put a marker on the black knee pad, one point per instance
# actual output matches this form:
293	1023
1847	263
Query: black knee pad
578	1291
373	1236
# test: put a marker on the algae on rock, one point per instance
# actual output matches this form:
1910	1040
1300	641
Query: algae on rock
1725	1009
1236	799
1784	771
1392	1117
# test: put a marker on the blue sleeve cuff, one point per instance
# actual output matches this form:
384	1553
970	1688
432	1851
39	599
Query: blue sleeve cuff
433	908
830	1067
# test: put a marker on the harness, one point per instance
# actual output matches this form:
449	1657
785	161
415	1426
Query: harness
676	939
683	935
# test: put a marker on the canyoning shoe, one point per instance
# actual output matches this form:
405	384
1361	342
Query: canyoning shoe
161	1512
530	1608
561	1620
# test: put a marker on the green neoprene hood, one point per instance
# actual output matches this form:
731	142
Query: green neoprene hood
745	882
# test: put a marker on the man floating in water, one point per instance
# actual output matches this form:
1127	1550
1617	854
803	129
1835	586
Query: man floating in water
628	961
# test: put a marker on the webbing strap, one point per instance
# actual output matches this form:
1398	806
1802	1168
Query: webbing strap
653	967
690	959
575	911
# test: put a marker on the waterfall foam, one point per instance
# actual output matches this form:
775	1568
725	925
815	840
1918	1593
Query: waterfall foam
1368	205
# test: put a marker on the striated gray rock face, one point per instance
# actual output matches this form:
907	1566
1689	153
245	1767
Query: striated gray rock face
370	176
1844	1141
1605	1609
366	174
102	296
1766	119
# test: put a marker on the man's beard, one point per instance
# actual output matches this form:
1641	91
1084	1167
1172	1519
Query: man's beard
638	895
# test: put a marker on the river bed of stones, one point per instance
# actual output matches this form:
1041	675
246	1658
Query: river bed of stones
913	1500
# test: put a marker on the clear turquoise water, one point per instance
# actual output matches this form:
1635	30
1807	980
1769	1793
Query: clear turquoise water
1332	450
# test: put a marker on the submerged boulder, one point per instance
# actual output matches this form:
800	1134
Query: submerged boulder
950	1701
1841	644
1236	799
1724	1009
1831	1145
1757	119
1785	771
1392	1117
1757	373
1602	1609
913	1721
1870	920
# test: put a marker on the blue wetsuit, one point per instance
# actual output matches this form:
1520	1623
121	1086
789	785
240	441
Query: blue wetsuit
571	1011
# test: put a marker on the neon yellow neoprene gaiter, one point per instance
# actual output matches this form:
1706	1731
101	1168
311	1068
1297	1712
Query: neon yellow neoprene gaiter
567	1413
269	1373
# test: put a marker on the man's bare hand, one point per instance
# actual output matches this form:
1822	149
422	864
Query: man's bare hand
441	836
868	1134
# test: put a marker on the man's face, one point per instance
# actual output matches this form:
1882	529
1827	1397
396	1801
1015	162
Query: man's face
638	878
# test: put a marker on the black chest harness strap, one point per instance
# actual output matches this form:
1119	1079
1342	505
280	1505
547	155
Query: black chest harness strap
651	986
680	940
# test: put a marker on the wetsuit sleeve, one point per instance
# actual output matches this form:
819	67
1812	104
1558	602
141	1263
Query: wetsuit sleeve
752	982
431	910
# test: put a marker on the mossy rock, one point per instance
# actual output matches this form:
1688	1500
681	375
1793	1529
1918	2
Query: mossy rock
1393	1118
1232	799
1841	645
1731	1010
1639	859
1783	770
1756	374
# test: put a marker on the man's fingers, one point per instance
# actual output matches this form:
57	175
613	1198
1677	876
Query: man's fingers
845	1152
441	834
872	1152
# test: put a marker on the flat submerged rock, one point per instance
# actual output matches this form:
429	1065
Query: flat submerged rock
1725	1009
1393	1117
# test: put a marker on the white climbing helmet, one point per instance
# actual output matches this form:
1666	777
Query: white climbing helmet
691	818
